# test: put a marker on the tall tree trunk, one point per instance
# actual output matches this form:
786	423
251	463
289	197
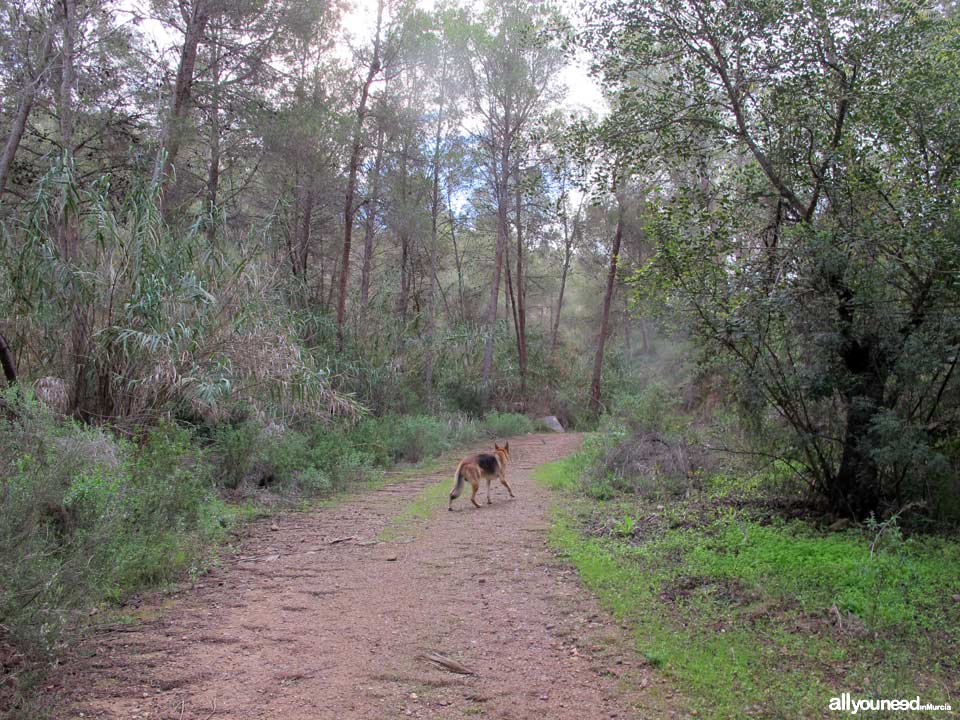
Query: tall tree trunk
69	230
569	237
605	317
195	20
24	106
567	255
509	300
68	226
521	312
369	229
213	173
502	192
349	211
457	257
855	488
405	260
434	244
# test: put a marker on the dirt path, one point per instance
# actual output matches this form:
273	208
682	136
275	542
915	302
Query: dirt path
297	627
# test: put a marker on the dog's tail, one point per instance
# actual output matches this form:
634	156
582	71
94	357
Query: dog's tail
460	478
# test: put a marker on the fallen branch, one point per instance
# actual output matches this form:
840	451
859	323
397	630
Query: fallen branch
445	663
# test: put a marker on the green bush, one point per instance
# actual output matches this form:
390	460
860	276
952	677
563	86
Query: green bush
86	518
313	482
503	425
235	446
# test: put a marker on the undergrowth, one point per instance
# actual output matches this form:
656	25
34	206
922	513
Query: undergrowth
88	518
767	620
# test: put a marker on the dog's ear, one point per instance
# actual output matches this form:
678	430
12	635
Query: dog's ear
507	446
496	445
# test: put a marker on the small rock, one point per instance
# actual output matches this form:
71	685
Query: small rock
274	527
392	558
551	422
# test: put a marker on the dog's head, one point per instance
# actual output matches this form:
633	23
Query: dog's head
503	451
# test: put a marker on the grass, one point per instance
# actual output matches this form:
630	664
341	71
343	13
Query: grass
420	508
767	620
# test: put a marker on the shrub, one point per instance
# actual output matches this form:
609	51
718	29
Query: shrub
85	518
502	425
313	481
234	446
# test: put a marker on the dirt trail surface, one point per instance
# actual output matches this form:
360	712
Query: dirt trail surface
304	623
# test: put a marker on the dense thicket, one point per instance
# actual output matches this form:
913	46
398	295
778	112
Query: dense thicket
230	231
801	175
212	204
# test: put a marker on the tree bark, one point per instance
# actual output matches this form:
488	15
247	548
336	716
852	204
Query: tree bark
595	394
196	21
521	313
369	229
434	245
7	361
569	236
503	221
457	257
349	210
567	255
213	173
24	106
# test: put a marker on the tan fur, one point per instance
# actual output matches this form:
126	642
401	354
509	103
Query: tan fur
469	470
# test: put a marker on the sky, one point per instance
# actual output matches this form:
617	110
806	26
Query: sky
582	91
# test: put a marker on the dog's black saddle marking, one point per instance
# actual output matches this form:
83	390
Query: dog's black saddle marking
490	464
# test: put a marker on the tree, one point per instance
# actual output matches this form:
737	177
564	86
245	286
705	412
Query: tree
349	208
815	251
32	72
595	394
194	16
512	70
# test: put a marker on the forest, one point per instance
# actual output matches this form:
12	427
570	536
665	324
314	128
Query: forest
258	254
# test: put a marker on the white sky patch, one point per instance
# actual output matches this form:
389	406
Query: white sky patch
583	93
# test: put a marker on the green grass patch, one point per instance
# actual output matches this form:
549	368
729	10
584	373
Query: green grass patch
766	620
421	508
558	475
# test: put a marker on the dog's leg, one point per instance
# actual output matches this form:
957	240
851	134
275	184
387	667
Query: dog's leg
489	502
476	487
503	481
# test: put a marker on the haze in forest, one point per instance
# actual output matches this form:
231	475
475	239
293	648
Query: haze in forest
257	252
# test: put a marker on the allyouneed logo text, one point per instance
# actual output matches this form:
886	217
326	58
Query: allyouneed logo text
855	705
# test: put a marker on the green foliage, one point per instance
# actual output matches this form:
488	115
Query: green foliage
793	238
503	425
164	323
795	612
85	518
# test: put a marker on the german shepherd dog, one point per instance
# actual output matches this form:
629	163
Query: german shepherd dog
484	465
